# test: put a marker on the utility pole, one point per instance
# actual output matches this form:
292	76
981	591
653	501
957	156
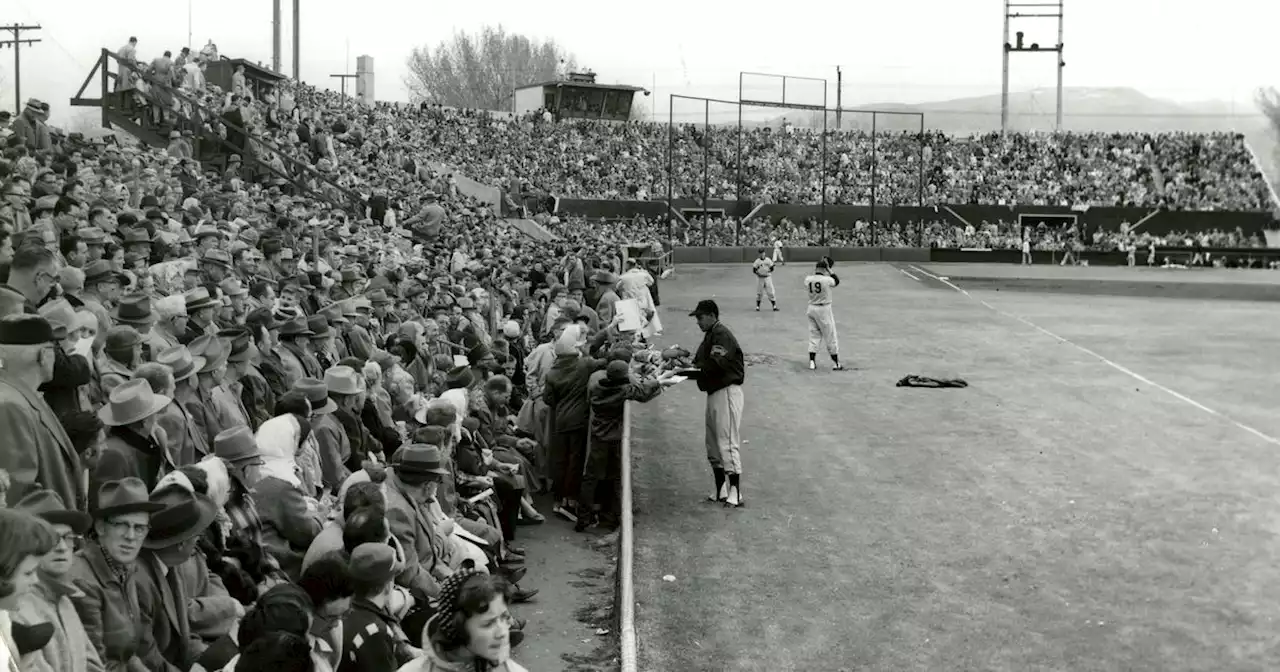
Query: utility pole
297	41
17	43
275	36
839	97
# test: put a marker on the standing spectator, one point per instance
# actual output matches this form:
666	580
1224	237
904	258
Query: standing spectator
48	457
565	393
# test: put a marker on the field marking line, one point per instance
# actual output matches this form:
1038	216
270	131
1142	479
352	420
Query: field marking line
1118	367
908	274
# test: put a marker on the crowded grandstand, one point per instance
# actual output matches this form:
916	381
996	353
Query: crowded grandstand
287	312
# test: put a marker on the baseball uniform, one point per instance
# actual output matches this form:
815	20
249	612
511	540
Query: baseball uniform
822	322
763	268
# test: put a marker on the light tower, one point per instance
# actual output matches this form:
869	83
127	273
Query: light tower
1048	9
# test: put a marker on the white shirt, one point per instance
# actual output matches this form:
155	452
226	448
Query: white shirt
763	267
819	287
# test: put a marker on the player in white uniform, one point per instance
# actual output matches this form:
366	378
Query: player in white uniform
777	252
822	322
763	268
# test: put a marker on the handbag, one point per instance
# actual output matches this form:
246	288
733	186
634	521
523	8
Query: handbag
524	419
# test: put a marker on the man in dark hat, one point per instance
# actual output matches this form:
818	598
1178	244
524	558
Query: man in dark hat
162	569
720	371
47	457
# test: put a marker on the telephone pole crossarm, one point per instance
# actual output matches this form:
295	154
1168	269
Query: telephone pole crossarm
17	30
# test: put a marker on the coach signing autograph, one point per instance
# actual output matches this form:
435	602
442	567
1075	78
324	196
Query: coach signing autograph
720	372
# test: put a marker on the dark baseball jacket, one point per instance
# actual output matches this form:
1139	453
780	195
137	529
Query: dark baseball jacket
719	360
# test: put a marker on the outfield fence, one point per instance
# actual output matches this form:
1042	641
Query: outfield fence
626	550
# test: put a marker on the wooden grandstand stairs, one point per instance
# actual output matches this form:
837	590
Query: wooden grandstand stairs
121	109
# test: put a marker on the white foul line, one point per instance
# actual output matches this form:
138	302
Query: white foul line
1118	367
908	274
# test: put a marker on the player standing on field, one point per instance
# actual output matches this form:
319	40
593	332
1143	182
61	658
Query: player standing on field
720	372
763	268
822	322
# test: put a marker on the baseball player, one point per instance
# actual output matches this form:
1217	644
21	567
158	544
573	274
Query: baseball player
763	268
822	322
720	373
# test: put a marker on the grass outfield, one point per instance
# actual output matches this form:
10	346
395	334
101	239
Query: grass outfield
1059	514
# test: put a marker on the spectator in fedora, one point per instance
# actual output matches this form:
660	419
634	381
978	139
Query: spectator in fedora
47	457
121	353
67	391
134	310
174	531
51	599
135	445
246	382
238	450
295	352
104	571
101	290
349	392
186	436
332	443
290	516
219	408
201	309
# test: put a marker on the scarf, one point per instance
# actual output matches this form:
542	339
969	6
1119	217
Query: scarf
277	440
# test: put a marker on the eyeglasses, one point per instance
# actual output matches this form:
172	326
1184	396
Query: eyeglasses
124	529
72	539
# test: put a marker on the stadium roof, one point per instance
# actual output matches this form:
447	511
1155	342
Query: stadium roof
582	85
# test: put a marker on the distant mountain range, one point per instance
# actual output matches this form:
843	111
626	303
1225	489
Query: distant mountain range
1084	109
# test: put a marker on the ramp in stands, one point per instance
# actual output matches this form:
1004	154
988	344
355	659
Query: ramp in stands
532	229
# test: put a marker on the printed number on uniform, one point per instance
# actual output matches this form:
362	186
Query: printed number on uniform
815	288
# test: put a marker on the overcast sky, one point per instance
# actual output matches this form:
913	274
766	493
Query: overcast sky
901	51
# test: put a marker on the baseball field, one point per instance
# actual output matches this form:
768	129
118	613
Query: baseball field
1103	496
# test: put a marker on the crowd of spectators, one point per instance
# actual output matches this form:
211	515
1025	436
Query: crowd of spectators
606	160
247	424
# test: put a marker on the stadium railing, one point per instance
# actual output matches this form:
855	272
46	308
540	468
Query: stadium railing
626	550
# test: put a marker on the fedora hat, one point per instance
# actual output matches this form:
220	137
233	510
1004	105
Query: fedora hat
101	271
240	351
457	377
378	297
232	287
236	445
603	277
48	504
296	327
134	309
136	236
212	349
92	235
334	314
344	380
198	299
130	402
216	256
206	231
183	515
180	359
318	325
419	462
127	495
318	394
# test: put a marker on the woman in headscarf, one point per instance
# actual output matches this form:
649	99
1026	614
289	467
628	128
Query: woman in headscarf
290	518
471	631
565	393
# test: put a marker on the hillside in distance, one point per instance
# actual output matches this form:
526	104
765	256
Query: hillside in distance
1085	109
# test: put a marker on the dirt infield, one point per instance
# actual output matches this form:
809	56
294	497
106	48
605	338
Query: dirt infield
1058	514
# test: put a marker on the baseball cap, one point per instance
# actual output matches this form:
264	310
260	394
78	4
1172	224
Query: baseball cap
706	307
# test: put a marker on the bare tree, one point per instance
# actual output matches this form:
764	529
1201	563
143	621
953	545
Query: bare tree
1268	100
482	70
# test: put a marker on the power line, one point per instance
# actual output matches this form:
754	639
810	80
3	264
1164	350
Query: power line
16	43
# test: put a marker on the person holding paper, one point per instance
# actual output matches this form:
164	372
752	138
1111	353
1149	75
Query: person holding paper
720	371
